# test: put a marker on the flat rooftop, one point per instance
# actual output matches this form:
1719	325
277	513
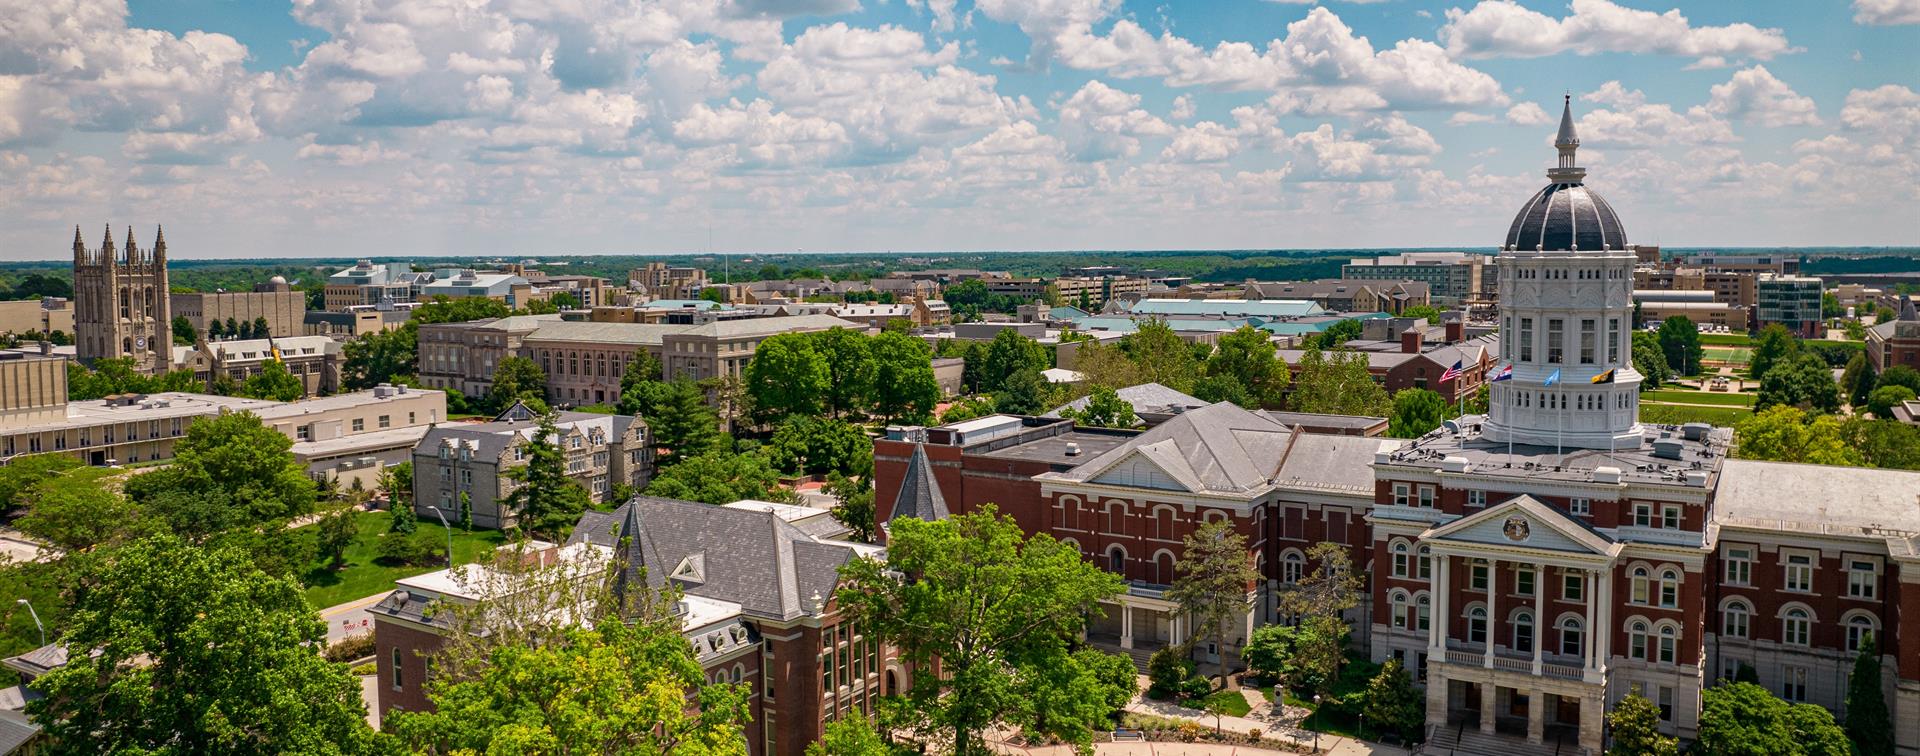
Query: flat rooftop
1637	464
1818	498
1053	450
373	441
162	406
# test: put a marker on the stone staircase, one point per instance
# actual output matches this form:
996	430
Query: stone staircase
1139	655
1468	740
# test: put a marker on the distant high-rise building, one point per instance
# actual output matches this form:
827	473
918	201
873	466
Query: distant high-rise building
120	302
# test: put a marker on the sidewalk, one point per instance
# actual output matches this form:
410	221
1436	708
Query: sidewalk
1260	718
351	618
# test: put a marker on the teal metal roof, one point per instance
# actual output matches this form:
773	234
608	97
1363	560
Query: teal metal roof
1269	308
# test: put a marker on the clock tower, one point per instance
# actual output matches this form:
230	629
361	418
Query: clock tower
120	305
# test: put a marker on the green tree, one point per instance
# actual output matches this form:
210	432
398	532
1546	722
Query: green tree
1868	724
1336	335
216	330
195	650
229	470
184	334
1248	357
1830	306
720	477
466	511
852	736
1649	360
25	471
1104	365
235	331
855	509
1337	383
1007	355
850	369
1743	719
1000	613
1882	401
1392	704
1856	381
261	329
1774	345
1680	343
1329	589
275	383
1304	657
1416	411
817	446
1220	388
904	388
968	408
1802	381
1162	356
74	513
1636	729
544	498
397	482
1883	443
1024	393
1211	580
379	357
517	379
1899	375
786	376
1105	409
444	309
1429	312
564	300
1788	434
334	532
682	423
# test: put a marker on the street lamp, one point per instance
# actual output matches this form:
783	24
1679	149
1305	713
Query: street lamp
1316	731
449	529
36	619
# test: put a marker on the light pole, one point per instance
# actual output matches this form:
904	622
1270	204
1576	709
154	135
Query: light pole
36	619
1316	731
449	529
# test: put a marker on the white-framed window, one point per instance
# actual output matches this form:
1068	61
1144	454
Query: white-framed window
1580	505
1670	517
1665	702
1799	569
1523	631
1737	566
1863	579
1573	586
1572	636
1524	581
1670	589
1736	620
1643	514
1477	576
1402	559
1637	640
1422	612
1860	627
1426	562
1402	495
1669	634
1476	498
1796	627
1793	685
1402	610
1293	566
1639	581
1426	497
399	670
1476	624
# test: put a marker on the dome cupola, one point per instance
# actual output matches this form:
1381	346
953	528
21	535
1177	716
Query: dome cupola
1566	216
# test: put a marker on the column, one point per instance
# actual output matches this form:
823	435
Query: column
1493	583
1603	625
1488	703
1590	647
1437	703
1536	715
1539	616
1126	625
1440	589
1591	723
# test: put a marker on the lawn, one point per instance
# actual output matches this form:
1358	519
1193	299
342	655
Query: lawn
1674	414
1699	397
1728	356
362	576
1235	705
1726	339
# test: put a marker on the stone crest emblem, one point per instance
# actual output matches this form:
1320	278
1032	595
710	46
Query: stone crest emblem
1517	528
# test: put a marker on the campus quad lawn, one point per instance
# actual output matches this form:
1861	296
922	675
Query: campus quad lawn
1729	356
1726	339
1236	704
1699	397
362	576
1674	414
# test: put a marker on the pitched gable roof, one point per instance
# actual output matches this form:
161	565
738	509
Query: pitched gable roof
1219	448
1525	522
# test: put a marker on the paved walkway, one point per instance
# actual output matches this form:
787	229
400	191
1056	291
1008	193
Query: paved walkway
351	618
1263	717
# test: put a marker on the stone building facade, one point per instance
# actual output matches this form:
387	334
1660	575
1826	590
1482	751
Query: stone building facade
120	302
283	308
602	451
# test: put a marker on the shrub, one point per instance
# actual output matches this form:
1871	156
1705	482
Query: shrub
1167	673
1194	688
351	648
363	670
419	548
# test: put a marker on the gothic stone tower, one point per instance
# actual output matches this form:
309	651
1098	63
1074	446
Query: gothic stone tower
120	302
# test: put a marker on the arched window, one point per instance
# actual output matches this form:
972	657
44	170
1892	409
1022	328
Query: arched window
1477	625
1571	636
1163	567
1637	640
1669	642
1117	560
1402	610
1860	628
1736	619
1426	562
1639	580
1523	632
1401	555
1423	612
1293	566
1796	627
1670	589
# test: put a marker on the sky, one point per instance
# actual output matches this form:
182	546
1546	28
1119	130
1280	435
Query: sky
343	128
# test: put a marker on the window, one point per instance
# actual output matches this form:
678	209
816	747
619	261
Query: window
1426	562
1639	581
1526	339
1423	613
1637	640
399	672
1796	627
1477	580
1523	579
1556	341
1862	579
1402	611
1402	495
1477	625
1666	703
1476	498
1588	337
386	421
1670	518
1117	559
1738	567
1793	685
1523	632
1669	641
1426	497
359	424
1580	505
1401	557
1735	620
1573	586
1670	589
1799	573
1571	636
1643	515
1613	341
1859	630
1292	566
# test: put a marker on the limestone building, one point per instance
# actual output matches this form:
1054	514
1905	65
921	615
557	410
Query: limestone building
279	303
121	308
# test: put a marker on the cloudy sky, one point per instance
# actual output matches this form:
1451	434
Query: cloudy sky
254	128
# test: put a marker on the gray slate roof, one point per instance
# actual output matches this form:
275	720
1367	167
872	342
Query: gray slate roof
1146	397
40	660
919	496
490	439
1220	447
15	731
753	558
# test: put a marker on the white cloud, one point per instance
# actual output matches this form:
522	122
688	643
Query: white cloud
1101	122
942	10
1502	28
1889	114
884	49
1203	142
1464	118
1629	121
1886	12
1528	114
1182	108
1755	95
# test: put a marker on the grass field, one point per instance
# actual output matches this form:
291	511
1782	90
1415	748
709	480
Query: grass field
1728	356
363	576
1698	397
1675	414
1726	339
1233	704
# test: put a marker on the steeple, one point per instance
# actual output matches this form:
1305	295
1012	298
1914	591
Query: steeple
1566	142
79	246
159	244
132	251
919	496
106	245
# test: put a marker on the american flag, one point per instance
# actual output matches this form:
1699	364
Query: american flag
1452	372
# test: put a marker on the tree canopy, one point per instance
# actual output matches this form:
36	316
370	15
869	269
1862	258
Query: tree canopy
544	498
1105	409
720	477
517	379
229	470
1416	411
787	376
1680	343
1337	383
1743	719
1248	358
1788	434
1799	380
1211	580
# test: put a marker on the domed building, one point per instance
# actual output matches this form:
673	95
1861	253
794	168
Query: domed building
1566	317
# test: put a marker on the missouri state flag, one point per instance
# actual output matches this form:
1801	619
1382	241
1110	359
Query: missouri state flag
1606	377
1503	374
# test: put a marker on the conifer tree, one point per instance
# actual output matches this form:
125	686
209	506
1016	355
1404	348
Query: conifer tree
1868	725
544	499
1213	575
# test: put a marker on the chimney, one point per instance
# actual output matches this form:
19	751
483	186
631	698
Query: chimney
1412	339
1456	331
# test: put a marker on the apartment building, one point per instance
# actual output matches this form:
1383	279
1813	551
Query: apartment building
1453	279
1791	301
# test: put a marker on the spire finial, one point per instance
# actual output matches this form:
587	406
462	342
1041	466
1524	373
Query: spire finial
1566	142
106	245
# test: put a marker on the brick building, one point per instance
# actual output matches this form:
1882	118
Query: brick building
1897	341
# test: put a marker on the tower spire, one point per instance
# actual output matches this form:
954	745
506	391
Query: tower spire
1567	142
159	243
79	246
132	250
106	244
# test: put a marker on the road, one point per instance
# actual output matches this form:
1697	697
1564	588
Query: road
351	618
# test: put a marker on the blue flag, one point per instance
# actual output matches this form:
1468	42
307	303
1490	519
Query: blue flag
1554	377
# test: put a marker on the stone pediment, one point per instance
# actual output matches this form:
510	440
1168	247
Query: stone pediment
1524	523
1157	465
